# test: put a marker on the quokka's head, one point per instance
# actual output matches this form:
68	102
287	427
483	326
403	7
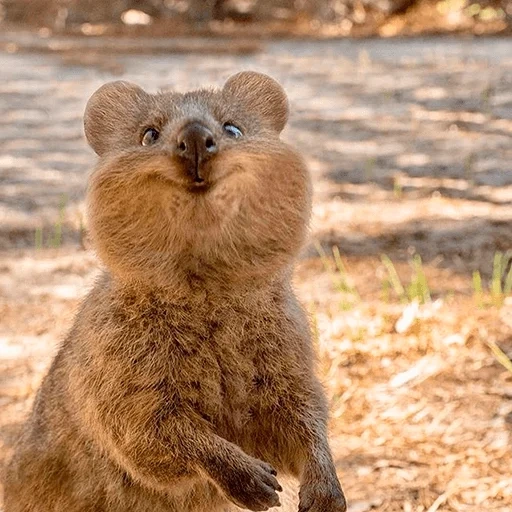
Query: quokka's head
196	184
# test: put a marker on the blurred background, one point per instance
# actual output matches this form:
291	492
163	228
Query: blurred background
264	18
403	110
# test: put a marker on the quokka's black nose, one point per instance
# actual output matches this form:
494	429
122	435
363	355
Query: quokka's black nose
195	143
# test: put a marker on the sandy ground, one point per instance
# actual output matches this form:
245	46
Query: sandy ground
409	144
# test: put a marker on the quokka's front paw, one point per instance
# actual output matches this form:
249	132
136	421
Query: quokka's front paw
251	485
322	497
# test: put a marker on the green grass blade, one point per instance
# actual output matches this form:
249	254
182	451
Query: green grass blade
343	282
500	356
394	279
507	287
497	274
422	288
38	238
478	291
323	257
57	229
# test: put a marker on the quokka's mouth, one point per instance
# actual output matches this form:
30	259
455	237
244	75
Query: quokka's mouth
199	187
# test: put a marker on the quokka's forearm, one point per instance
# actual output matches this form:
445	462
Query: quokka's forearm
319	485
180	451
171	451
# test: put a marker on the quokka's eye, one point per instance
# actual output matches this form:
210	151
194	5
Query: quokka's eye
150	136
233	131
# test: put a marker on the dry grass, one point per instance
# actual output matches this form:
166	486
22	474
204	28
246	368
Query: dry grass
421	406
422	416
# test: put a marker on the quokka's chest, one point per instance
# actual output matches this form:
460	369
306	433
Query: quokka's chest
230	371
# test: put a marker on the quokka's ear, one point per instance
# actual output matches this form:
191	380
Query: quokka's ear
110	111
261	94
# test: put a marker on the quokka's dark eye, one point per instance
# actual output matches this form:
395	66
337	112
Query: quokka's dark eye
150	136
233	131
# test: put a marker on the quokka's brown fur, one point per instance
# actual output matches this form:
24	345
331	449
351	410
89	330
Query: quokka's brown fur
188	374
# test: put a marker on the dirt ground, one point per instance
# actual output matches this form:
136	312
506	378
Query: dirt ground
410	147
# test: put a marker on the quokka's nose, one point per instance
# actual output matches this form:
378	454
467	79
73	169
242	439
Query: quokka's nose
195	143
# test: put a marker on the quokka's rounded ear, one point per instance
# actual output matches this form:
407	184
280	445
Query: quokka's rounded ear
109	110
261	94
